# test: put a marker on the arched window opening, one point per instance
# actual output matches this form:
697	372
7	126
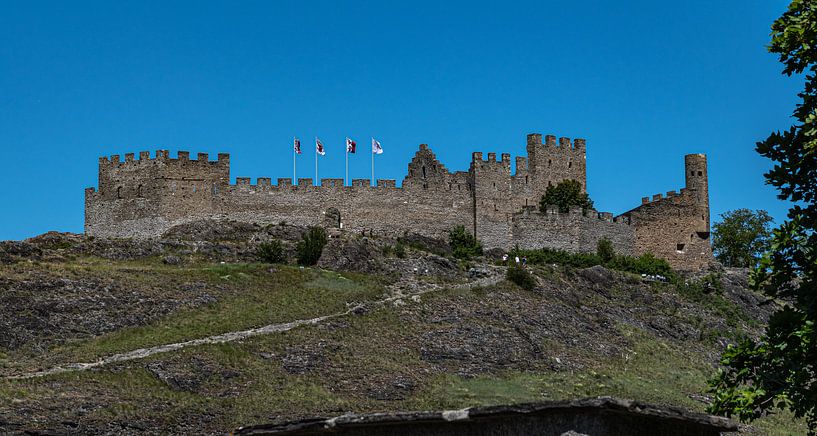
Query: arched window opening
700	173
424	171
119	192
173	186
569	164
140	191
215	189
526	180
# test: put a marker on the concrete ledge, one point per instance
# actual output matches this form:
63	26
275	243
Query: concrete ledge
594	416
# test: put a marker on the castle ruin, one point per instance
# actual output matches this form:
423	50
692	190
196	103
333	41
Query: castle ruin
144	197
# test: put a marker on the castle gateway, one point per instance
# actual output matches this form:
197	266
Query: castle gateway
144	197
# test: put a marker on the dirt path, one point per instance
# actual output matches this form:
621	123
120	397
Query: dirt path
497	274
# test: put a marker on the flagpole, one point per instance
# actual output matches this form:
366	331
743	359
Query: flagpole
316	161
293	160
347	162
371	182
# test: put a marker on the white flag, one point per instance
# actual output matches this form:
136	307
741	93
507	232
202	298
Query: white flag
350	145
376	148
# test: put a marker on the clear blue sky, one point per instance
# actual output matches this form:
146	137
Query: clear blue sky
644	82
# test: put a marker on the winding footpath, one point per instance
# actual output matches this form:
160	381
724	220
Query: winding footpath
494	278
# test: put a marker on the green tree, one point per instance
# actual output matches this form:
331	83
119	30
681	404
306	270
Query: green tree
311	246
741	237
565	194
464	244
780	370
605	250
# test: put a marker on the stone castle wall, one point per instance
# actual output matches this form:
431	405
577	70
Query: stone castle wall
144	197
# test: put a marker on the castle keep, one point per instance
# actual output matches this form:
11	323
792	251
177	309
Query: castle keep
144	197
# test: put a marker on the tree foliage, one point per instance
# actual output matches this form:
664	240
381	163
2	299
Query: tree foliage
780	370
565	194
605	250
310	247
272	252
464	244
741	237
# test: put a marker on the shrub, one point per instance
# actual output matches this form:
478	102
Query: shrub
464	244
272	252
605	250
521	277
644	264
311	246
399	250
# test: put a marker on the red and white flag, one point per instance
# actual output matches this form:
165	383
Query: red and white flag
319	147
350	145
376	148
297	145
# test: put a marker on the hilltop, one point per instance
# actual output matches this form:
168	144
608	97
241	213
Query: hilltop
366	330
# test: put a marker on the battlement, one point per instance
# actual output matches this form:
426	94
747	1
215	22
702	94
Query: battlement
575	211
161	156
535	139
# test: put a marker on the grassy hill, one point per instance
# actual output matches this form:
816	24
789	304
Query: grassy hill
419	332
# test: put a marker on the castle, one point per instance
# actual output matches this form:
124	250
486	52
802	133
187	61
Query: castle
144	197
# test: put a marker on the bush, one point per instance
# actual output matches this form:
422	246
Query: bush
605	250
272	252
644	264
464	244
310	248
521	277
399	250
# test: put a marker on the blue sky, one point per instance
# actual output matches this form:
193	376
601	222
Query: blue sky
644	82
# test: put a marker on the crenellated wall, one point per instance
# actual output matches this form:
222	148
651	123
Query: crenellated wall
675	226
144	197
575	231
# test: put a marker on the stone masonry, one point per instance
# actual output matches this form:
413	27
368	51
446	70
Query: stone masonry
142	198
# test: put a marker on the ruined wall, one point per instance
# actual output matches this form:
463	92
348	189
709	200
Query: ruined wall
676	226
574	231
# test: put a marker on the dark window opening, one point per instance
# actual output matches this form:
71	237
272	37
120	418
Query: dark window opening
569	164
424	171
526	180
680	247
703	235
700	173
549	162
692	173
119	192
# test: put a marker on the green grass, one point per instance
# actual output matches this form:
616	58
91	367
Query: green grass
255	298
360	351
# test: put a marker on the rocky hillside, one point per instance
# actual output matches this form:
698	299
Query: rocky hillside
193	333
